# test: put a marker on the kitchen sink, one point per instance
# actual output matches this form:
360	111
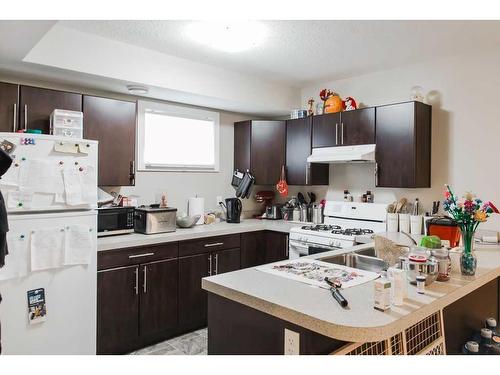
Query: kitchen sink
362	259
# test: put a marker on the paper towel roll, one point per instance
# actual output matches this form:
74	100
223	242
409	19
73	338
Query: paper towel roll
196	206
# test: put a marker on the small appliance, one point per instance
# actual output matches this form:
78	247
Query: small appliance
233	210
274	212
155	219
115	220
266	197
445	228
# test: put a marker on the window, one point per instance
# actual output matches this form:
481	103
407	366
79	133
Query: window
175	138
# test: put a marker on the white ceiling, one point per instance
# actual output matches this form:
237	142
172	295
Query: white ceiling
300	53
265	80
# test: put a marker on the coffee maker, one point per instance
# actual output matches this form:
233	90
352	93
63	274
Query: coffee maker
233	210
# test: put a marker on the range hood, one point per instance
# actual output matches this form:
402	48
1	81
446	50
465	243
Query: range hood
343	154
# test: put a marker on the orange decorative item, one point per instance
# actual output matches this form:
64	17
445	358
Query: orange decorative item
332	101
349	104
282	186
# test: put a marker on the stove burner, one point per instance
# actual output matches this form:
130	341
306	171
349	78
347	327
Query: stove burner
321	227
352	231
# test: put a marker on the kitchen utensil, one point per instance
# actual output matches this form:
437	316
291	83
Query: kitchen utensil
312	197
435	207
335	285
402	203
245	187
391	208
416	207
301	199
233	210
237	178
282	186
187	221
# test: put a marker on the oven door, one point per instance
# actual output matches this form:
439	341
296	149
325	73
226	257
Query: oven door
297	249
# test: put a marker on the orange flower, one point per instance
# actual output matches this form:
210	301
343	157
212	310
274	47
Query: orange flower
480	216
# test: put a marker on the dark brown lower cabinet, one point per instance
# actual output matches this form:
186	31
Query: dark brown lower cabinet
118	309
263	247
193	299
158	307
226	261
136	304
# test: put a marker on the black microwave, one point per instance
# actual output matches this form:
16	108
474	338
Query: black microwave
115	220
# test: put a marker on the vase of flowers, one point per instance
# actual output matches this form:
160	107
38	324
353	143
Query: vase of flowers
468	213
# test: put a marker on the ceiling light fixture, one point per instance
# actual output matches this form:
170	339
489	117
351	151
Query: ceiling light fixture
227	36
137	90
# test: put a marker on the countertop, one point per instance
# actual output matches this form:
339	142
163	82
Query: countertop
198	231
314	308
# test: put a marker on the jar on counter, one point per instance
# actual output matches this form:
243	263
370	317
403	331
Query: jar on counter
443	259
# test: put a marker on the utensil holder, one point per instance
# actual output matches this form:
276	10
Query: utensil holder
392	222
416	224
404	223
426	219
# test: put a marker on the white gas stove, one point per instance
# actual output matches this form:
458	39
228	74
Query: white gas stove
343	222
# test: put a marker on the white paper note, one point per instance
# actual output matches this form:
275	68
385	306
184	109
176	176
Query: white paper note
66	147
73	187
16	262
78	245
19	199
47	248
40	176
89	185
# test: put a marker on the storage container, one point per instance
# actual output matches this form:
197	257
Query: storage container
66	123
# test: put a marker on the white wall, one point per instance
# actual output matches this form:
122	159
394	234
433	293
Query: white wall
463	92
182	185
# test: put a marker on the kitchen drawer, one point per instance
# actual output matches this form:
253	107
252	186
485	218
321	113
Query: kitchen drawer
209	244
136	255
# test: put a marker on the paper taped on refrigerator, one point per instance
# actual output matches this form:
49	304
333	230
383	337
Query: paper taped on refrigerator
16	262
78	245
47	248
41	176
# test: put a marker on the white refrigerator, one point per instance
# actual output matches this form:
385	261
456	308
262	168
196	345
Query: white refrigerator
51	196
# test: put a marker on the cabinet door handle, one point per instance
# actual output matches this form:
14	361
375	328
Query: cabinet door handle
376	174
25	116
342	133
14	119
136	287
140	255
214	244
308	171
132	172
210	265
144	285
216	264
336	133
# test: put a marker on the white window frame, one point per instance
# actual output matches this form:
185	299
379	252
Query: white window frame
180	111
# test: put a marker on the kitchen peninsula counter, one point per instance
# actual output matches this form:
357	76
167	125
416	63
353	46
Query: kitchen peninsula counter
314	309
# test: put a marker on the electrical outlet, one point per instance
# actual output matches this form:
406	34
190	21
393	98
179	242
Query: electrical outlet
219	199
292	343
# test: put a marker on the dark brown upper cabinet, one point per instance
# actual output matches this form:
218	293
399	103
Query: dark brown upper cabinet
259	146
112	123
37	104
326	130
348	128
9	104
403	152
357	127
298	148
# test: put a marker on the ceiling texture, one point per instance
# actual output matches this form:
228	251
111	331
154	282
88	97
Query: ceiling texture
293	54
